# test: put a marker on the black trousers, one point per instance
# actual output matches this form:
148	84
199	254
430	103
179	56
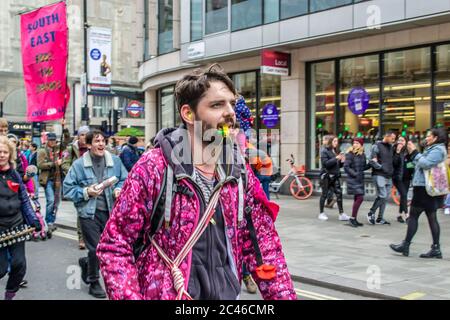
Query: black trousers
331	184
402	187
17	263
92	229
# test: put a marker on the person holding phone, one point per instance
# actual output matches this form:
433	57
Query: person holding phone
332	162
434	154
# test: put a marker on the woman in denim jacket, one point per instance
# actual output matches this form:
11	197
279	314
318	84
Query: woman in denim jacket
435	153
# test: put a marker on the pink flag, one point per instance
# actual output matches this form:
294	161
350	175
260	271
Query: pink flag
44	59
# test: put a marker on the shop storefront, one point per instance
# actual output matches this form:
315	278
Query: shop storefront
407	91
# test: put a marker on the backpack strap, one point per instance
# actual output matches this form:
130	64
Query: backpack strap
169	195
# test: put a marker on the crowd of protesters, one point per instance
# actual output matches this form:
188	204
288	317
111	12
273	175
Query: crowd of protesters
112	188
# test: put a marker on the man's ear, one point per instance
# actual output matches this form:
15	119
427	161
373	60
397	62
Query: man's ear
187	114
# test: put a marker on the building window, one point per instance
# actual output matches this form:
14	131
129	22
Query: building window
269	137
240	17
359	73
323	113
216	18
165	26
146	31
292	8
318	5
271	11
101	106
256	98
406	92
167	107
442	85
196	20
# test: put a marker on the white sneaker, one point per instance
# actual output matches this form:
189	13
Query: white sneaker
344	217
323	216
447	211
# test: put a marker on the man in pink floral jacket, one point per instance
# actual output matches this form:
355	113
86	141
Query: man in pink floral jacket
168	268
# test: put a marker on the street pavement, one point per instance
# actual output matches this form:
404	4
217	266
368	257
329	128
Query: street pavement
350	263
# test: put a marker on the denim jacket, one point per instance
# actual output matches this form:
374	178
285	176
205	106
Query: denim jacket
81	175
431	157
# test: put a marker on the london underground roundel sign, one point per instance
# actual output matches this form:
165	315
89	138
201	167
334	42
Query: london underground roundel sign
135	108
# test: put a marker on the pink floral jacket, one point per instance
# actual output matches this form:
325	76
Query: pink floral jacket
148	277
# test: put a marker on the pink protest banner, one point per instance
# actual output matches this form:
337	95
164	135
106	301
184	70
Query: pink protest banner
44	58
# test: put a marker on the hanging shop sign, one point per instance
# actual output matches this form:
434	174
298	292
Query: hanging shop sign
358	100
277	63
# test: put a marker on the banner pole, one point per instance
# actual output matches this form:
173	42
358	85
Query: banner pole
31	10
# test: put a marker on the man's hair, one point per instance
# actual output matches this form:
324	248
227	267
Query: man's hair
3	122
91	135
192	87
390	132
34	145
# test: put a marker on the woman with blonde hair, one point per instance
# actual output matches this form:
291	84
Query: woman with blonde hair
15	210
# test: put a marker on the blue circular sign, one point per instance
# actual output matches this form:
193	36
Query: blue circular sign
270	115
358	100
95	54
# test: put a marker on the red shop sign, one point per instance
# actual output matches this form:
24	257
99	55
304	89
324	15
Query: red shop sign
277	63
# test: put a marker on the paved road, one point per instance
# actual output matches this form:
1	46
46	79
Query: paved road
53	274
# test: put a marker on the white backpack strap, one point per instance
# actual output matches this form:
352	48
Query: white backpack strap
169	190
241	200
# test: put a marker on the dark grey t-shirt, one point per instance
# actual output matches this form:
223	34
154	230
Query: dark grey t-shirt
99	165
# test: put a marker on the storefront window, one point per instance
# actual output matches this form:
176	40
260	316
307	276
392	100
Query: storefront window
196	19
167	107
322	107
292	8
269	133
407	92
356	76
442	85
271	11
101	106
240	17
245	84
318	5
216	16
165	30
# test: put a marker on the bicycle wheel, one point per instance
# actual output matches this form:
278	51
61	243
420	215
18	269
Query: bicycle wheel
302	191
395	196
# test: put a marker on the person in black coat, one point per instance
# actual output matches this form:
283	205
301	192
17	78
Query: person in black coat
15	211
330	177
354	166
403	173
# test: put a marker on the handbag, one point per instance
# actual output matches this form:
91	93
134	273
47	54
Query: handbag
437	180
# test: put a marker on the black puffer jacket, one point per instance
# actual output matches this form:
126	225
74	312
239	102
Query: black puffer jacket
330	164
354	167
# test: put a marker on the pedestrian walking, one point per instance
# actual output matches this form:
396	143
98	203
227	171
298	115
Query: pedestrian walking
49	165
74	151
382	162
130	153
94	203
15	211
434	153
354	166
216	218
331	200
332	162
403	173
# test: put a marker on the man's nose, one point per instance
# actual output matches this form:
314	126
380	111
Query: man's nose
229	110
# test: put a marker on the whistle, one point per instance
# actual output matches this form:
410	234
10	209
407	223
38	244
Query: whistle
224	131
